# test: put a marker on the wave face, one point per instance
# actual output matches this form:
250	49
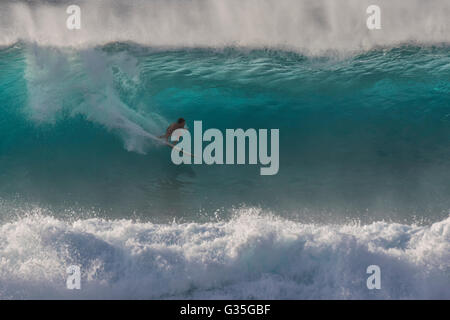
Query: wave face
362	137
252	256
309	26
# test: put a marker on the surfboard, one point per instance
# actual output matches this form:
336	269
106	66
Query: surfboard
176	148
163	141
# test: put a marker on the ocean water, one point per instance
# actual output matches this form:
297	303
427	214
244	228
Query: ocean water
364	177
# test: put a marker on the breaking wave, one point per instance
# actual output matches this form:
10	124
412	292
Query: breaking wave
254	255
308	26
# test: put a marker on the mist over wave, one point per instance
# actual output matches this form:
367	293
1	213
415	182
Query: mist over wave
252	256
312	27
94	86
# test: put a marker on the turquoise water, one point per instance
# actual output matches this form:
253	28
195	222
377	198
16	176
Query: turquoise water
364	176
364	136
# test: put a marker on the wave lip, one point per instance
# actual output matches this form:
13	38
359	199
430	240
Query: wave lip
252	256
309	26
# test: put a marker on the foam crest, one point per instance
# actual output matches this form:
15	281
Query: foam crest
253	255
309	26
68	83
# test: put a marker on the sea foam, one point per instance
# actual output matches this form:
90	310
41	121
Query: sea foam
252	256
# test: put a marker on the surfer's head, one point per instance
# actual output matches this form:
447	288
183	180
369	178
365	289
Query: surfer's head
181	121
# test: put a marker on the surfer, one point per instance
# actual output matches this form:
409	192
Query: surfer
174	126
180	124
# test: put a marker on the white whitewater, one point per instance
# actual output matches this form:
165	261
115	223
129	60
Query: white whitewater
312	27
